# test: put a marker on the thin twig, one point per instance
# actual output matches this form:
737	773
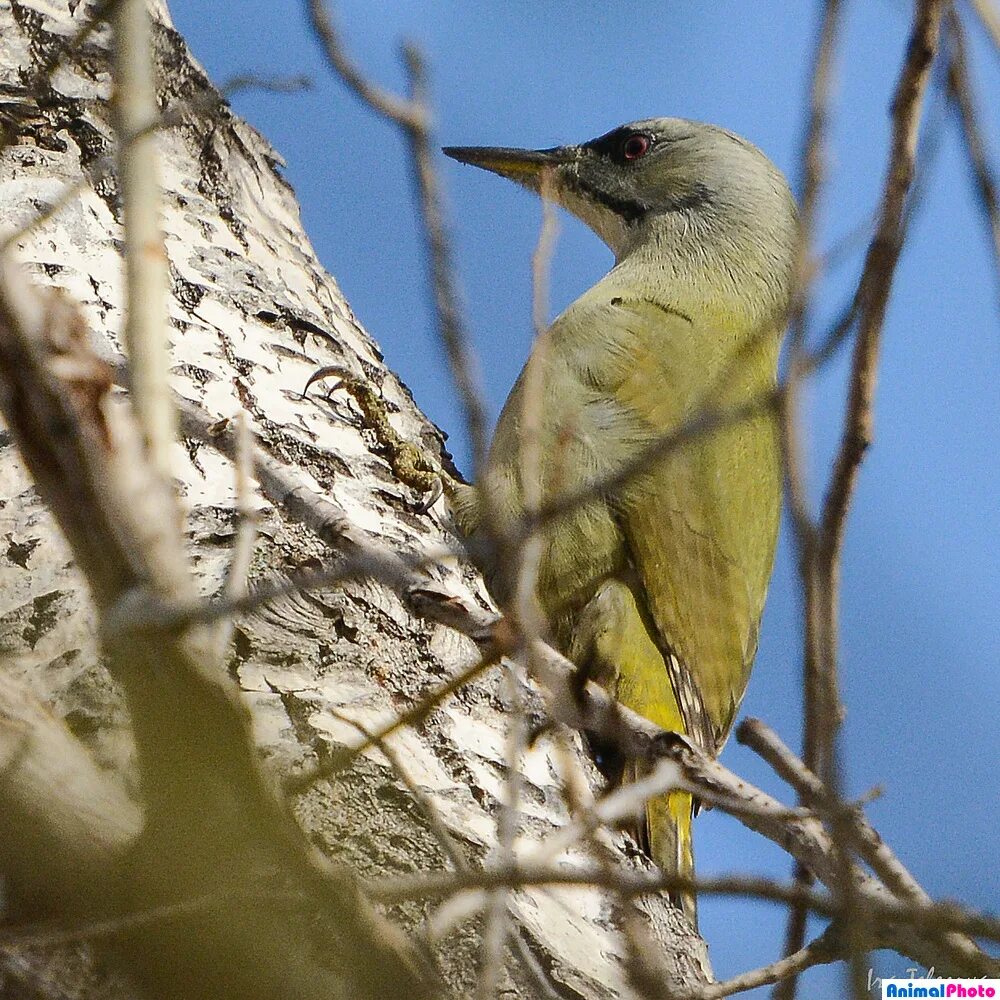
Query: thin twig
870	846
534	873
528	616
990	18
876	281
813	160
412	115
837	333
821	951
497	916
397	109
795	933
461	358
531	471
768	745
961	96
854	239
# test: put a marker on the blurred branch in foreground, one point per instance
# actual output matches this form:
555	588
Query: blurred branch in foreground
962	96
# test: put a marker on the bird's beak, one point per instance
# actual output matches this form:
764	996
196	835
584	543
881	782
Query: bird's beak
525	166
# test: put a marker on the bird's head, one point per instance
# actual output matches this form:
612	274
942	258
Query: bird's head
657	170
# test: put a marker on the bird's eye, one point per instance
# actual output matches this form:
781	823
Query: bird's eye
635	146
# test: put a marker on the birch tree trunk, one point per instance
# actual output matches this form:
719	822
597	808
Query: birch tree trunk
252	316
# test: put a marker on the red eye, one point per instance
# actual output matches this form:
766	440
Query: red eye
635	146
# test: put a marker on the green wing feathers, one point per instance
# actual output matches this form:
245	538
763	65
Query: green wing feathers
699	526
655	586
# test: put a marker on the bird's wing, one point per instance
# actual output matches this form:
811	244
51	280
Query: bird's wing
699	525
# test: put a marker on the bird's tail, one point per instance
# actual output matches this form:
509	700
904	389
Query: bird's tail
665	835
614	643
668	825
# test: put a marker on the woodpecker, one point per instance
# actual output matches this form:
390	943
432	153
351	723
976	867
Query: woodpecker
655	586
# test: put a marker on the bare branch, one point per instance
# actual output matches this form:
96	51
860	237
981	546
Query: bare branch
813	159
398	110
870	846
531	461
496	930
461	358
880	265
136	111
412	115
822	951
763	740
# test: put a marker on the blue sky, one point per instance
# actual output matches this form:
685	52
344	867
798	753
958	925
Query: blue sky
920	636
